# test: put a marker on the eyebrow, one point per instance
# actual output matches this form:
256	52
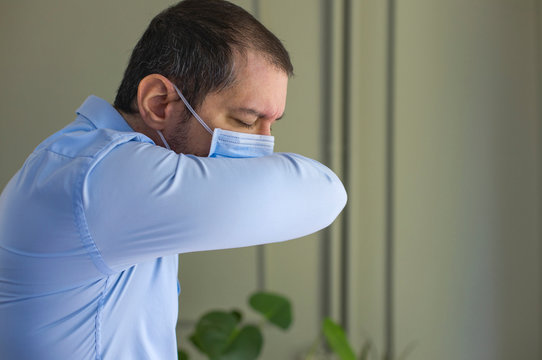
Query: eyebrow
255	113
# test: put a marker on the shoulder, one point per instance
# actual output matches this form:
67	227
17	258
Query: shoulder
83	140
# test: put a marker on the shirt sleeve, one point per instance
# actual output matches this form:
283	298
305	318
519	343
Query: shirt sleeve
142	202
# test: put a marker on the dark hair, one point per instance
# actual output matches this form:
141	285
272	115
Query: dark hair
193	43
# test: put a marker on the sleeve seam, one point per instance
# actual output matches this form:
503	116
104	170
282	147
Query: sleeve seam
79	212
82	226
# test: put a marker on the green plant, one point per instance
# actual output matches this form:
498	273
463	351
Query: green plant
338	342
222	335
336	339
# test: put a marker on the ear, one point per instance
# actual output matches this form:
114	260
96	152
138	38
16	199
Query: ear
156	98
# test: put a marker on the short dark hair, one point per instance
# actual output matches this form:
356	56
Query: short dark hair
193	44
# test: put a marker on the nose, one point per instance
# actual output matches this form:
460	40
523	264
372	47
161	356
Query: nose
265	127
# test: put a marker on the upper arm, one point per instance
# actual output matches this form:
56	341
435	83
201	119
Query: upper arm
145	202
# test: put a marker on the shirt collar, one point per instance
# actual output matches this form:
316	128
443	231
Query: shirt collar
102	115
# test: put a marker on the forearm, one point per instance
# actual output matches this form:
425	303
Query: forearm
160	203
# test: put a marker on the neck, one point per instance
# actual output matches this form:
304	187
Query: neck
137	124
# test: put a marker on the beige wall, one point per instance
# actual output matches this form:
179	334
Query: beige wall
467	179
437	135
55	54
458	225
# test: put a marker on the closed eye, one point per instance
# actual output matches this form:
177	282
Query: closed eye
244	124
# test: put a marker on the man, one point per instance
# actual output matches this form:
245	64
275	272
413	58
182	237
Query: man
91	225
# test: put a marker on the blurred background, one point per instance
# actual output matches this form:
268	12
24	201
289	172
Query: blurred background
429	110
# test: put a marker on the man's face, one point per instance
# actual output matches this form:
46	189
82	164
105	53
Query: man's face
251	105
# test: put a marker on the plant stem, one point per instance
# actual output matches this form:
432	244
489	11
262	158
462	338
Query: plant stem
313	348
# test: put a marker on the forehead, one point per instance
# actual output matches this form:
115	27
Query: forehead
259	85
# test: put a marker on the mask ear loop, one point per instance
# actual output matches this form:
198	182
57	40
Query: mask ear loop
163	139
192	110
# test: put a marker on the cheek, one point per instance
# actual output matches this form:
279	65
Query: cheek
191	138
199	140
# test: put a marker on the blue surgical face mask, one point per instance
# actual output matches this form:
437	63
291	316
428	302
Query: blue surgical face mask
234	144
230	144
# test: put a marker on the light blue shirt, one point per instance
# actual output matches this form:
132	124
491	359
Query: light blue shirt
91	225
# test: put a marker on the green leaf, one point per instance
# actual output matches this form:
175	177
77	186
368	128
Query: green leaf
183	355
194	340
238	315
214	332
337	340
247	345
275	308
